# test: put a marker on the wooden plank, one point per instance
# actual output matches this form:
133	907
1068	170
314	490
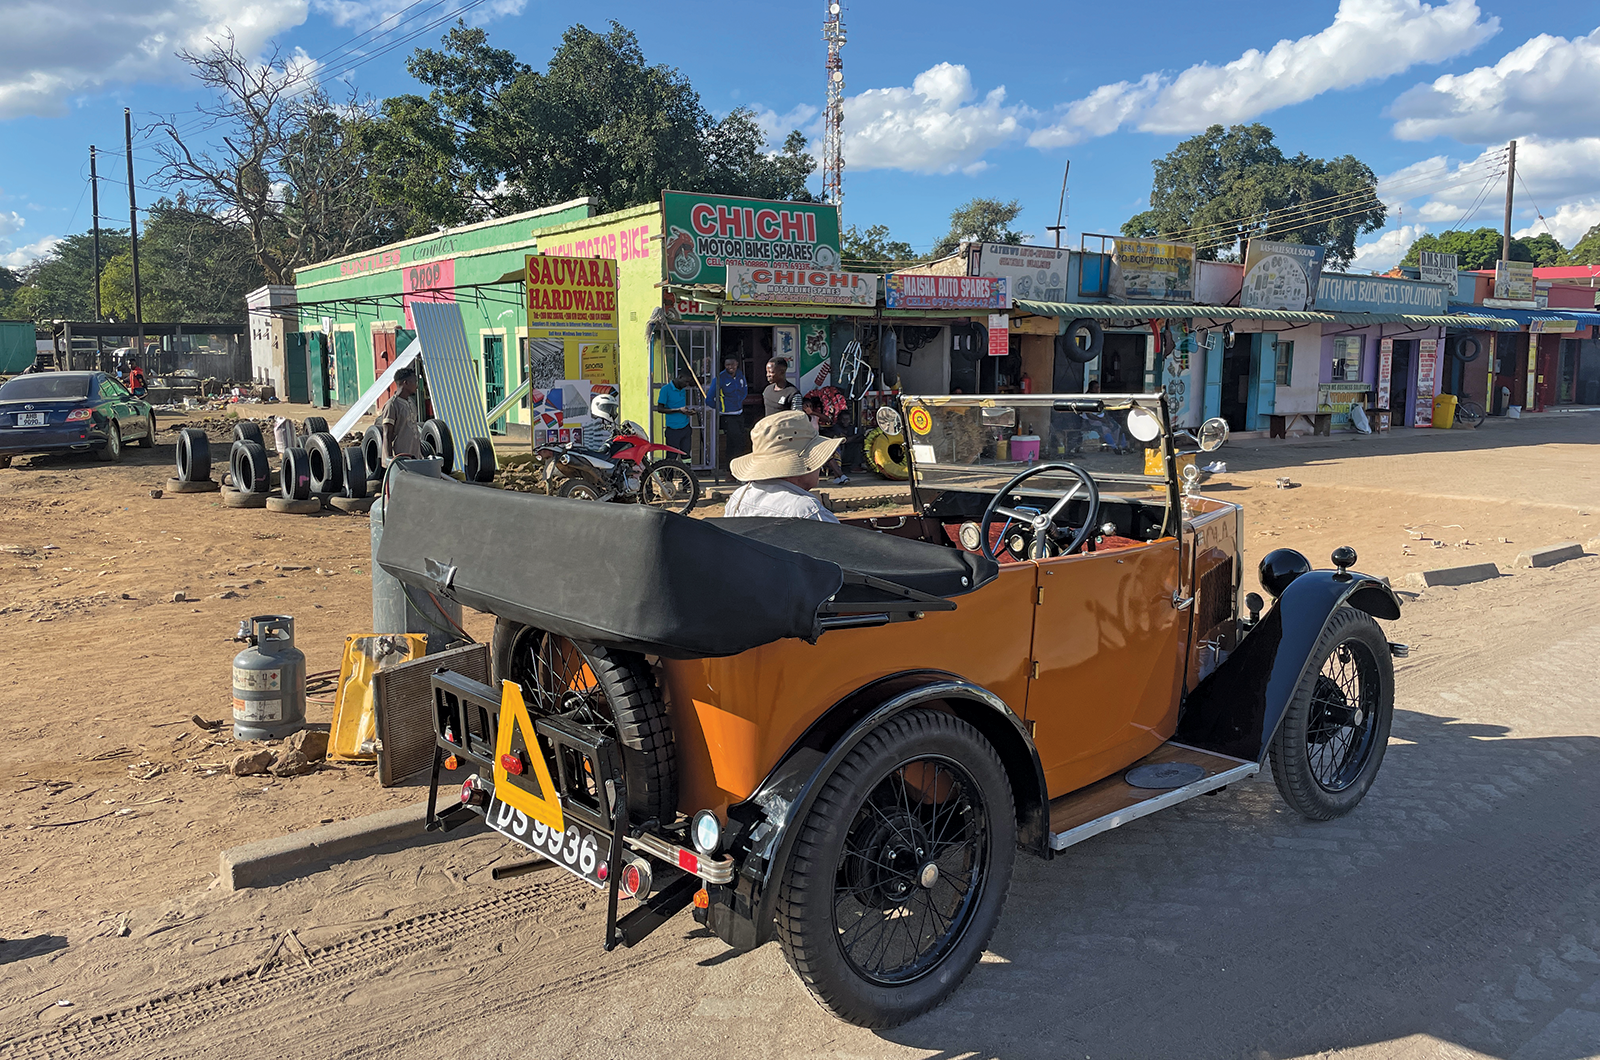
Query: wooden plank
1113	793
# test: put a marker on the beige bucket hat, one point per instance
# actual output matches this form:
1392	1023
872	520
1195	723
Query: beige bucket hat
783	446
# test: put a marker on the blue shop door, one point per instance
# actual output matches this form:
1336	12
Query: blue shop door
1213	401
295	388
1263	393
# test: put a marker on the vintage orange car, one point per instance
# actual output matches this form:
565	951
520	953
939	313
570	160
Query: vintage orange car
841	735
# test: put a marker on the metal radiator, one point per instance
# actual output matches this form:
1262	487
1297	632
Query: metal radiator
403	702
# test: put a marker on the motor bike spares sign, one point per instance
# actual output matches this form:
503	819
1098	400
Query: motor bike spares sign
571	298
705	234
918	291
792	285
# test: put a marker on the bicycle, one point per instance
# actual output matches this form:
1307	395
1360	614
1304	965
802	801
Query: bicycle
1469	414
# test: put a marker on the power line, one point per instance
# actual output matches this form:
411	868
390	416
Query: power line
1536	211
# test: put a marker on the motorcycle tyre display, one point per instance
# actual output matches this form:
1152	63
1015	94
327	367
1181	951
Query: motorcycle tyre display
887	455
662	467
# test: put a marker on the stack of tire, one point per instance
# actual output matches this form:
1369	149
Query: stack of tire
478	462
248	468
194	464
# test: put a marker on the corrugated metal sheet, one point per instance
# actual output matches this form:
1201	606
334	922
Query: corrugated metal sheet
1109	311
453	384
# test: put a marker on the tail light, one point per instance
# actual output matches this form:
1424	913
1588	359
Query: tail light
472	794
511	763
636	879
79	414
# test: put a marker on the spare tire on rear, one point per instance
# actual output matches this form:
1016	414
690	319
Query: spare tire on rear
608	690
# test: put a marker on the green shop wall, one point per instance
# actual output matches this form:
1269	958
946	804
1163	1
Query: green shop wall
360	290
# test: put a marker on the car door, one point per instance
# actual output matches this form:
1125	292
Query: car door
118	406
1108	660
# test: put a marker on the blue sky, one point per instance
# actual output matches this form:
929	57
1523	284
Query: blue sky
944	101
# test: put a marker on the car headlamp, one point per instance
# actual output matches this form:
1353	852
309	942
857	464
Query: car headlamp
706	831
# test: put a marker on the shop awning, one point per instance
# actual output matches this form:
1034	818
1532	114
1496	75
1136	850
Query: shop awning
1109	311
1516	319
712	296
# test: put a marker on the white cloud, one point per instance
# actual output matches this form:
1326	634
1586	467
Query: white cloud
775	126
932	127
1385	252
1548	86
10	221
25	255
1368	40
52	49
1568	224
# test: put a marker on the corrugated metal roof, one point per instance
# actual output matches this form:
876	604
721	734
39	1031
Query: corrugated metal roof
1109	311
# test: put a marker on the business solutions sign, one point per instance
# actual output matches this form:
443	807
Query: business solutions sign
1379	294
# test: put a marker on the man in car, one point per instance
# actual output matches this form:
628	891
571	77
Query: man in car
782	468
398	435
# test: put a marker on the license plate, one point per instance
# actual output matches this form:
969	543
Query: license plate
30	419
580	849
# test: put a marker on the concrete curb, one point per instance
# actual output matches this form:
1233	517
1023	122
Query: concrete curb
1549	556
253	864
1472	572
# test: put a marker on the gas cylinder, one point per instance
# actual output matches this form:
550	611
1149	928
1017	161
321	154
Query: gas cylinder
269	680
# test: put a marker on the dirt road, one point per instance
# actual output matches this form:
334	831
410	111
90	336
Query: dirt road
1457	913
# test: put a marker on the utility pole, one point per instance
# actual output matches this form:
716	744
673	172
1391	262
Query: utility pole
94	205
133	231
1061	207
1511	176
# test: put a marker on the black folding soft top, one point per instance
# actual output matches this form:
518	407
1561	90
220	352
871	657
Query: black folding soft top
644	580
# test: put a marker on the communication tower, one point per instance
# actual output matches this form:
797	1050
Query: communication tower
833	120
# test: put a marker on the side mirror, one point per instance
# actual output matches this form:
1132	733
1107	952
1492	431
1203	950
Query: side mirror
1213	433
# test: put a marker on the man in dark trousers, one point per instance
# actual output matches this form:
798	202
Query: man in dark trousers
671	401
729	402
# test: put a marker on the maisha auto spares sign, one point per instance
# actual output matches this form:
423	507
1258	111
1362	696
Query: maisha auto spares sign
704	234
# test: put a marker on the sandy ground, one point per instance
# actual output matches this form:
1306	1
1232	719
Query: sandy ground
116	805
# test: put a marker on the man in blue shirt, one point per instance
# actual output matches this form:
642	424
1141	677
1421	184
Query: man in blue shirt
729	403
671	400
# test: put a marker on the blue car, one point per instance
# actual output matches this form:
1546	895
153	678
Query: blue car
55	412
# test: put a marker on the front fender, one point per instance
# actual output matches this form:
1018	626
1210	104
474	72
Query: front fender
1236	709
768	822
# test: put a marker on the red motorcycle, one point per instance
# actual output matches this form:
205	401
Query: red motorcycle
623	470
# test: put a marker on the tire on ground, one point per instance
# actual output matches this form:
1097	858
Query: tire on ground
111	452
294	475
315	425
301	506
1355	640
325	462
194	455
578	489
355	472
248	431
251	473
806	899
648	759
479	463
436	435
241	499
372	450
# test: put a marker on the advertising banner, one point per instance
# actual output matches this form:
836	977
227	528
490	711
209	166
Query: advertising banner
999	334
707	233
1339	293
432	281
1143	268
572	308
1427	381
1438	267
1552	327
1281	275
801	286
1385	366
1035	272
1513	280
902	291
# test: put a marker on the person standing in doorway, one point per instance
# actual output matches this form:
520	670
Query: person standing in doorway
671	401
780	394
729	402
398	436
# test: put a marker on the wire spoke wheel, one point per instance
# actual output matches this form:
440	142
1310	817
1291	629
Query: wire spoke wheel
1343	716
911	871
670	486
558	681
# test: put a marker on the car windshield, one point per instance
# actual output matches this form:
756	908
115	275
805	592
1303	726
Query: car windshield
978	442
47	386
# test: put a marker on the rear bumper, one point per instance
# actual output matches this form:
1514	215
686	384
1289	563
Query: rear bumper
16	441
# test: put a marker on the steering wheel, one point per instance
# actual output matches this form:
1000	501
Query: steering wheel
1042	524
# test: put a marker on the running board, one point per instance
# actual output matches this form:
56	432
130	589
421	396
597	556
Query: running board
1113	802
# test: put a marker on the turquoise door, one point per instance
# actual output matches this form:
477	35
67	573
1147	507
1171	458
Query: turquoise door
294	368
494	377
1263	392
344	366
1213	401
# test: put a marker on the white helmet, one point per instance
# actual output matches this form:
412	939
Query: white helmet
605	407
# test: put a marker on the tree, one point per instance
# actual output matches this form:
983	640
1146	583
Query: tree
1586	251
1224	187
1545	249
60	285
1479	248
495	136
273	156
873	250
980	221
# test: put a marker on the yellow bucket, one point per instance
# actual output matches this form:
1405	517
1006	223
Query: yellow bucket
1154	465
1444	411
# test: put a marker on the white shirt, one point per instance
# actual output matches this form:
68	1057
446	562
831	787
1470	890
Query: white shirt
776	497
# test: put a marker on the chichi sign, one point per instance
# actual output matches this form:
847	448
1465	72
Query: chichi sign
571	296
801	286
